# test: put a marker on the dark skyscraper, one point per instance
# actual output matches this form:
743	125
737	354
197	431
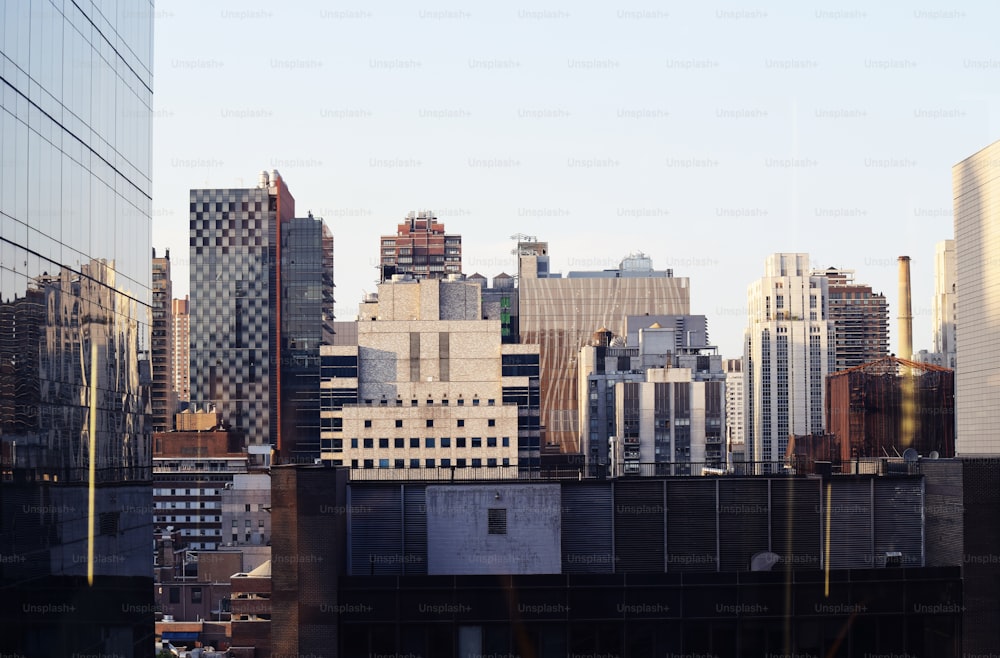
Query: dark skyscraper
306	323
248	351
75	460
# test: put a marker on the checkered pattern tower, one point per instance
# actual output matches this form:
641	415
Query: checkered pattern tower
234	313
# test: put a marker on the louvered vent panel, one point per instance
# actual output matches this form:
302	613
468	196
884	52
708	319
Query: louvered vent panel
899	504
850	523
691	525
376	530
415	530
743	513
795	522
639	545
586	529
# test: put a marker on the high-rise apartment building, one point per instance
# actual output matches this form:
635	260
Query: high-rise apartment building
976	187
735	407
787	353
560	315
860	319
421	248
944	306
654	404
162	396
429	385
75	272
261	304
181	338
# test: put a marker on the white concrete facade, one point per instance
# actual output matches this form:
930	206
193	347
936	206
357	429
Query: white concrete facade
976	191
787	354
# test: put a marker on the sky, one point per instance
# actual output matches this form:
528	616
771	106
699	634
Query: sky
705	135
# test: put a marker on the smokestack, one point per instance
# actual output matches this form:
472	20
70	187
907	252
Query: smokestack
905	310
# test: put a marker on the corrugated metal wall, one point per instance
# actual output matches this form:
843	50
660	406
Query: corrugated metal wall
681	524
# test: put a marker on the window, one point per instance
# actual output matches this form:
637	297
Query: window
445	442
383	443
496	521
477	462
383	463
461	402
446	463
491	422
236	523
429	463
505	442
491	442
354	443
460	422
414	463
430	422
247	507
506	461
175	594
460	463
369	463
460	442
429	442
399	423
369	443
368	423
399	463
477	442
491	402
399	443
491	461
246	523
475	402
414	443
260	523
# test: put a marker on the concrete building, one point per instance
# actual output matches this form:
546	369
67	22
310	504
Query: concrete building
860	319
190	472
246	510
654	403
430	385
162	395
420	248
975	185
75	296
251	320
181	339
788	351
560	315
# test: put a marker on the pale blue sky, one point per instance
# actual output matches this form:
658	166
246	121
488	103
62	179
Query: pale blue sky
662	127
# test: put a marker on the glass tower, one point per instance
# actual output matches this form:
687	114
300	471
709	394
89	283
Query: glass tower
75	463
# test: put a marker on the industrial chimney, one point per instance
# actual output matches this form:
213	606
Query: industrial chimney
905	310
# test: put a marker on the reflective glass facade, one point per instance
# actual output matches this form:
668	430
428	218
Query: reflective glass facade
75	138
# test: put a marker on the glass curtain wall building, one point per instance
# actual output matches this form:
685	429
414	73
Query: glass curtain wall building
75	461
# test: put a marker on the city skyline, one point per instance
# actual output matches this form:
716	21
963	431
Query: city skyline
706	155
